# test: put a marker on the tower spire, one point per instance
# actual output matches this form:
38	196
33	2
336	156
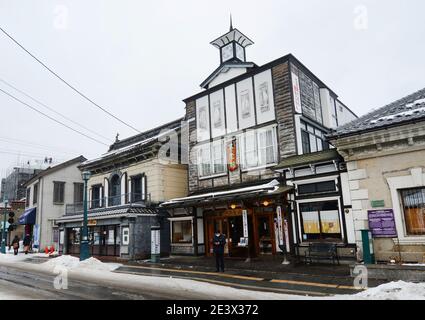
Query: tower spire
231	24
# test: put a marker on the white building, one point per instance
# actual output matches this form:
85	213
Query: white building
46	197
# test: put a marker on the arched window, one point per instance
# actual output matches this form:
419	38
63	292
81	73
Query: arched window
115	191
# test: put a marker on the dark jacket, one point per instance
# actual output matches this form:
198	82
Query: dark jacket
27	241
218	243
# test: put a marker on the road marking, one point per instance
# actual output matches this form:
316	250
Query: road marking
232	284
225	275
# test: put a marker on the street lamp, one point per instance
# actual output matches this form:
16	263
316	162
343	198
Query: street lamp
84	247
3	232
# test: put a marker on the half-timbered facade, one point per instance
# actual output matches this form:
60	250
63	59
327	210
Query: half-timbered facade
242	125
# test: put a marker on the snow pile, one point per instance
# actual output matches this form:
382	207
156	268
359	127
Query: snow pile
10	257
399	290
71	262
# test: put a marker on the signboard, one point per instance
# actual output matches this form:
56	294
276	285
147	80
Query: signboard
155	242
382	223
245	223
297	93
279	225
232	155
286	232
91	222
36	235
377	203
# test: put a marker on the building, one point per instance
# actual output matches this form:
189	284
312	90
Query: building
242	127
13	186
385	155
126	185
47	194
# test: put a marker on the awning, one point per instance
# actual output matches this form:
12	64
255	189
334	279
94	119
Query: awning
272	188
28	217
307	159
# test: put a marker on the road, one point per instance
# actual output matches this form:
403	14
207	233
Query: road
19	284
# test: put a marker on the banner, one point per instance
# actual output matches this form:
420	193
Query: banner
245	223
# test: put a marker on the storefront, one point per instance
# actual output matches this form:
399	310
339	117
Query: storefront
252	218
103	240
114	232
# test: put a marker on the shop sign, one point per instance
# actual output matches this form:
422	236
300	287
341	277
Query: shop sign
286	232
377	203
382	223
245	223
232	155
296	92
91	222
279	225
36	235
155	241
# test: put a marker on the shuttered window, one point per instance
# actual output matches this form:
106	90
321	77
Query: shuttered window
414	210
58	192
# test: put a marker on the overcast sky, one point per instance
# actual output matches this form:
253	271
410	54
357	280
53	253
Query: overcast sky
140	59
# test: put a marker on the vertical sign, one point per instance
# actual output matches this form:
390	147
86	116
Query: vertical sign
232	155
296	92
286	231
155	244
279	225
245	223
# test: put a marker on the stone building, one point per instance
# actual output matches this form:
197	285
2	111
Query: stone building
385	155
245	122
13	186
127	184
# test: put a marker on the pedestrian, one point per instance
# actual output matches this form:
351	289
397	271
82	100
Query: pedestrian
15	245
219	242
27	243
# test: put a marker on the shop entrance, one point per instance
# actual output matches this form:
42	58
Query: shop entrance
265	234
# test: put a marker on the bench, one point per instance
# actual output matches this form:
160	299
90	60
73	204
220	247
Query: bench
323	251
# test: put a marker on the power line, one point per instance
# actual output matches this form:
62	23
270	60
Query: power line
52	110
68	84
51	118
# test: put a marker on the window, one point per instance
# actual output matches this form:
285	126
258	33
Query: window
138	188
218	156
325	186
58	192
259	148
211	159
115	192
35	194
312	139
27	199
320	221
95	196
305	141
267	146
414	210
182	231
78	192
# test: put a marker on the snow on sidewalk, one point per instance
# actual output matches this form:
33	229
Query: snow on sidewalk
71	262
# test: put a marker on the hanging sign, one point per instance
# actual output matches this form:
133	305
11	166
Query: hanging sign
232	155
286	232
296	92
279	225
245	224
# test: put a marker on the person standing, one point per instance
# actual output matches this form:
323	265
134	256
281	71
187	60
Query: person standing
15	245
27	243
219	242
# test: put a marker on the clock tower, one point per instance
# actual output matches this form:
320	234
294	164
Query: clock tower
232	46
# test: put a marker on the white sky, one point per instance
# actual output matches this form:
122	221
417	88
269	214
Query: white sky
140	59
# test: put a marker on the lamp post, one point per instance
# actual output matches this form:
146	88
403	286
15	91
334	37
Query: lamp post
3	232
84	247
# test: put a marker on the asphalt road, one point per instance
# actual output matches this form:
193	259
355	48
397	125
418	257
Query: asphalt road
19	284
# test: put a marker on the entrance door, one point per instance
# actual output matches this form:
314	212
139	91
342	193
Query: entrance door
265	234
214	224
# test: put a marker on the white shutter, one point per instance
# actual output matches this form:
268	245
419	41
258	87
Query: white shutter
144	188
123	187
130	197
100	197
106	186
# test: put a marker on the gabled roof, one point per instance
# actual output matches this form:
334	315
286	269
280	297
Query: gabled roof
223	67
55	168
408	109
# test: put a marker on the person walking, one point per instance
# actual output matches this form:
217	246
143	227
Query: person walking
15	245
27	243
219	242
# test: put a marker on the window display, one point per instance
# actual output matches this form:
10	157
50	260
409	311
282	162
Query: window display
182	231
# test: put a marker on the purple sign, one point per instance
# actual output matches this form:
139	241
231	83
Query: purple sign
382	223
